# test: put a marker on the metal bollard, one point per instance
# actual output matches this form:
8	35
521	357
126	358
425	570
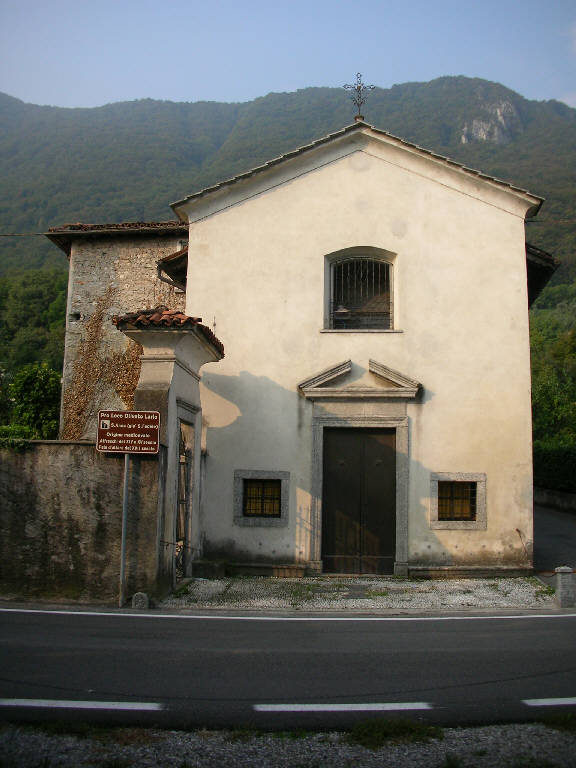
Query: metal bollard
565	596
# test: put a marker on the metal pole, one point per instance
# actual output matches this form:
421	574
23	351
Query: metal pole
122	596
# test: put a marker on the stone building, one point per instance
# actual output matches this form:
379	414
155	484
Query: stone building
112	268
372	410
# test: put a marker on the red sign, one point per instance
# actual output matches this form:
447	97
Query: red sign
128	432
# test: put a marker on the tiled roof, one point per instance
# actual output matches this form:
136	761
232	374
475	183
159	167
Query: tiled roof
64	235
122	226
162	317
349	129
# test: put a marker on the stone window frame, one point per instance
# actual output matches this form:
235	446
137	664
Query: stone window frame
261	474
481	523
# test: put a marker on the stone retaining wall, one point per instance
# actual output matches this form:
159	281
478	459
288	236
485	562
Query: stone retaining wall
556	499
60	527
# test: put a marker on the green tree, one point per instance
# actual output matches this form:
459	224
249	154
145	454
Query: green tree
32	311
553	345
35	391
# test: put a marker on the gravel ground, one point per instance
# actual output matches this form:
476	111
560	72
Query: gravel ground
360	594
508	746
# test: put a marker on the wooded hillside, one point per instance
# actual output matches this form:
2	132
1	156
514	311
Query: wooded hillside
128	161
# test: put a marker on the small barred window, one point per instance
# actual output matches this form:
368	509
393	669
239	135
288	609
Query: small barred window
456	501
262	498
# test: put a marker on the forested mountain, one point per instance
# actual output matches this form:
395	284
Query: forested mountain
129	160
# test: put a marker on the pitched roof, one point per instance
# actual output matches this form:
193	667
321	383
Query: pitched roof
358	125
162	317
62	236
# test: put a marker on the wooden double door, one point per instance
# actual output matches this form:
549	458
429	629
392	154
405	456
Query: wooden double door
359	500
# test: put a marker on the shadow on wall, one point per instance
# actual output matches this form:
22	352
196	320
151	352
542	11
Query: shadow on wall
253	423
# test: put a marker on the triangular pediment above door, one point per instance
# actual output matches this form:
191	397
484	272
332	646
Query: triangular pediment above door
350	381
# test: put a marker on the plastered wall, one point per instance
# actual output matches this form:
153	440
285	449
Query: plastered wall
257	276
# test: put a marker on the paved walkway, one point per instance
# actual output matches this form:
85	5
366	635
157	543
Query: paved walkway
555	544
360	594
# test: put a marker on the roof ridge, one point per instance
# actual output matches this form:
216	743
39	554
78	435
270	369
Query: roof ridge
360	124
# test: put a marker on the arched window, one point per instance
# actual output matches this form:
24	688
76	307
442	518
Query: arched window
360	294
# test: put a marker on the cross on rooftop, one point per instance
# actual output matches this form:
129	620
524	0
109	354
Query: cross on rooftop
359	94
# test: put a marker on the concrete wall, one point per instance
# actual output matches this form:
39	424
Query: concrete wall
109	275
257	266
60	527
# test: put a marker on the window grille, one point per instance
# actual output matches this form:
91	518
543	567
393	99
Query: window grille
361	294
262	498
456	500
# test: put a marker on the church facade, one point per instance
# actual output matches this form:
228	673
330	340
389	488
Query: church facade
371	413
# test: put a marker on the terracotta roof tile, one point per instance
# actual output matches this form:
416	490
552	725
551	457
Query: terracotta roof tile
162	317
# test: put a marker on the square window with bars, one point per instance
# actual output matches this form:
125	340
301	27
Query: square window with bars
456	500
262	498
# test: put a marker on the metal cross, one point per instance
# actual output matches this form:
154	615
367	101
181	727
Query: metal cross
359	93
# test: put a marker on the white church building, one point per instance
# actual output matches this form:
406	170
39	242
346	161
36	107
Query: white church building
371	412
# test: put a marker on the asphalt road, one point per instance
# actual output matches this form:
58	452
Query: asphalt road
284	672
554	538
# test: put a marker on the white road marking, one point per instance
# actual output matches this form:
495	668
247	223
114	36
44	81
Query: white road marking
550	702
137	706
290	618
367	707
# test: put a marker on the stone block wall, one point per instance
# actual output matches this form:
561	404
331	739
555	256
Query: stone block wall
109	275
60	527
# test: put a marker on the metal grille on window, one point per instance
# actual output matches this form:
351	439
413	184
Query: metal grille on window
361	294
262	498
456	500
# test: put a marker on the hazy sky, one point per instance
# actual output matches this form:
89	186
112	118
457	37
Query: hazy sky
92	52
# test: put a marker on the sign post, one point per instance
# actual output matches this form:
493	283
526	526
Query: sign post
127	432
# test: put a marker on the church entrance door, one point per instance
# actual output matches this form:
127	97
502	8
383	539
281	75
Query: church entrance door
359	500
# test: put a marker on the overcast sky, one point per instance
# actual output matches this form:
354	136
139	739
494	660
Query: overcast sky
83	53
